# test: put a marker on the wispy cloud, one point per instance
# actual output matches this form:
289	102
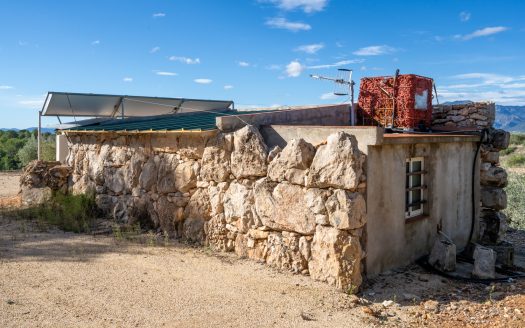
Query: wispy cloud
164	73
310	48
464	16
294	68
337	64
308	6
154	50
502	89
157	15
95	43
23	43
228	87
374	50
127	79
283	23
328	96
31	103
243	64
185	60
6	87
203	81
486	31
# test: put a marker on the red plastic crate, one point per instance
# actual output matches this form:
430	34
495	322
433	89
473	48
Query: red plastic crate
411	96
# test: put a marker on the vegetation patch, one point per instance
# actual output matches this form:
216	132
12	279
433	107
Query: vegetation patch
515	210
516	160
75	213
517	139
17	148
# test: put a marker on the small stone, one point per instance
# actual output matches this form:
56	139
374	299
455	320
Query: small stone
387	303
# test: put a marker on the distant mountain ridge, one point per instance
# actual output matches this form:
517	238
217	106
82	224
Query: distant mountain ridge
44	130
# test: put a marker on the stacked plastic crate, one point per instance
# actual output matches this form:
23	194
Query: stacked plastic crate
402	101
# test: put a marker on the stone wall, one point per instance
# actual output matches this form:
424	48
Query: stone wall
301	208
474	114
40	179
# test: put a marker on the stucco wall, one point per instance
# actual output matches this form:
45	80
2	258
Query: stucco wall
391	241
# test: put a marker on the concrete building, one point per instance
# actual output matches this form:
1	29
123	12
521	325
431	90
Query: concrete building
299	188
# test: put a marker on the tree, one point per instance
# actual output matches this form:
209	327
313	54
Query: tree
29	152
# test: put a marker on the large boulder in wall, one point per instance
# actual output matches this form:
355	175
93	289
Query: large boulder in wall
336	258
186	175
338	164
283	207
346	210
249	155
166	178
292	163
215	163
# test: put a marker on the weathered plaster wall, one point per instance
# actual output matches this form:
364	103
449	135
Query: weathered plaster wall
301	208
392	241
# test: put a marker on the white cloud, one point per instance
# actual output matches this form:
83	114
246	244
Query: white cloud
127	79
243	64
337	64
5	87
284	24
203	81
294	69
156	15
339	44
154	50
23	43
487	31
228	87
162	73
95	43
464	16
310	48
374	50
308	6
185	60
328	95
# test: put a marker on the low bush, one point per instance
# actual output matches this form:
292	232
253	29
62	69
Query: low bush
517	139
516	160
508	151
515	210
75	213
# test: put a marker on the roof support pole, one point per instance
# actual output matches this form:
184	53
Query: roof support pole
122	108
39	136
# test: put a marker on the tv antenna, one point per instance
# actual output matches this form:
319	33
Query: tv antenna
343	86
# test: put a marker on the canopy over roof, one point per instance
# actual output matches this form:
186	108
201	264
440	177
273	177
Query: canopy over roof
100	105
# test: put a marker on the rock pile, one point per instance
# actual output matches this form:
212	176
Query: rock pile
300	208
40	179
474	114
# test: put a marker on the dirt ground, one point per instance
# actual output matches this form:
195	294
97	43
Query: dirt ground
49	278
9	183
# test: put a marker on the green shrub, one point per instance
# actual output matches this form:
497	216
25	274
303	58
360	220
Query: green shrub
75	213
517	139
515	210
516	160
508	151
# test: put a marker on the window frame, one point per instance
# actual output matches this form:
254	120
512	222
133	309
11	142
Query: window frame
409	213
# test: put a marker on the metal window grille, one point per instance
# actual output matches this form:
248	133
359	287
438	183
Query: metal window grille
414	187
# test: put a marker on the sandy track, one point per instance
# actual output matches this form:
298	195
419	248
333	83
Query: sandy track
63	280
9	183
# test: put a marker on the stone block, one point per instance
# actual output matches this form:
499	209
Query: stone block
443	255
484	263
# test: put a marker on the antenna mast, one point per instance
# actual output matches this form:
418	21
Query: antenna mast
344	85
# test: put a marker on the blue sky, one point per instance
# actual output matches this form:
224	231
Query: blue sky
257	53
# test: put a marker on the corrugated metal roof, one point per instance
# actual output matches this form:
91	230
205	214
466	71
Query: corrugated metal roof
180	122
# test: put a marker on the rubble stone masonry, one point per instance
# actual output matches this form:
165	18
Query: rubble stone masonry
301	208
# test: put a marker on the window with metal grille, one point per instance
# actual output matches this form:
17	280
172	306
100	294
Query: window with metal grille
415	187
